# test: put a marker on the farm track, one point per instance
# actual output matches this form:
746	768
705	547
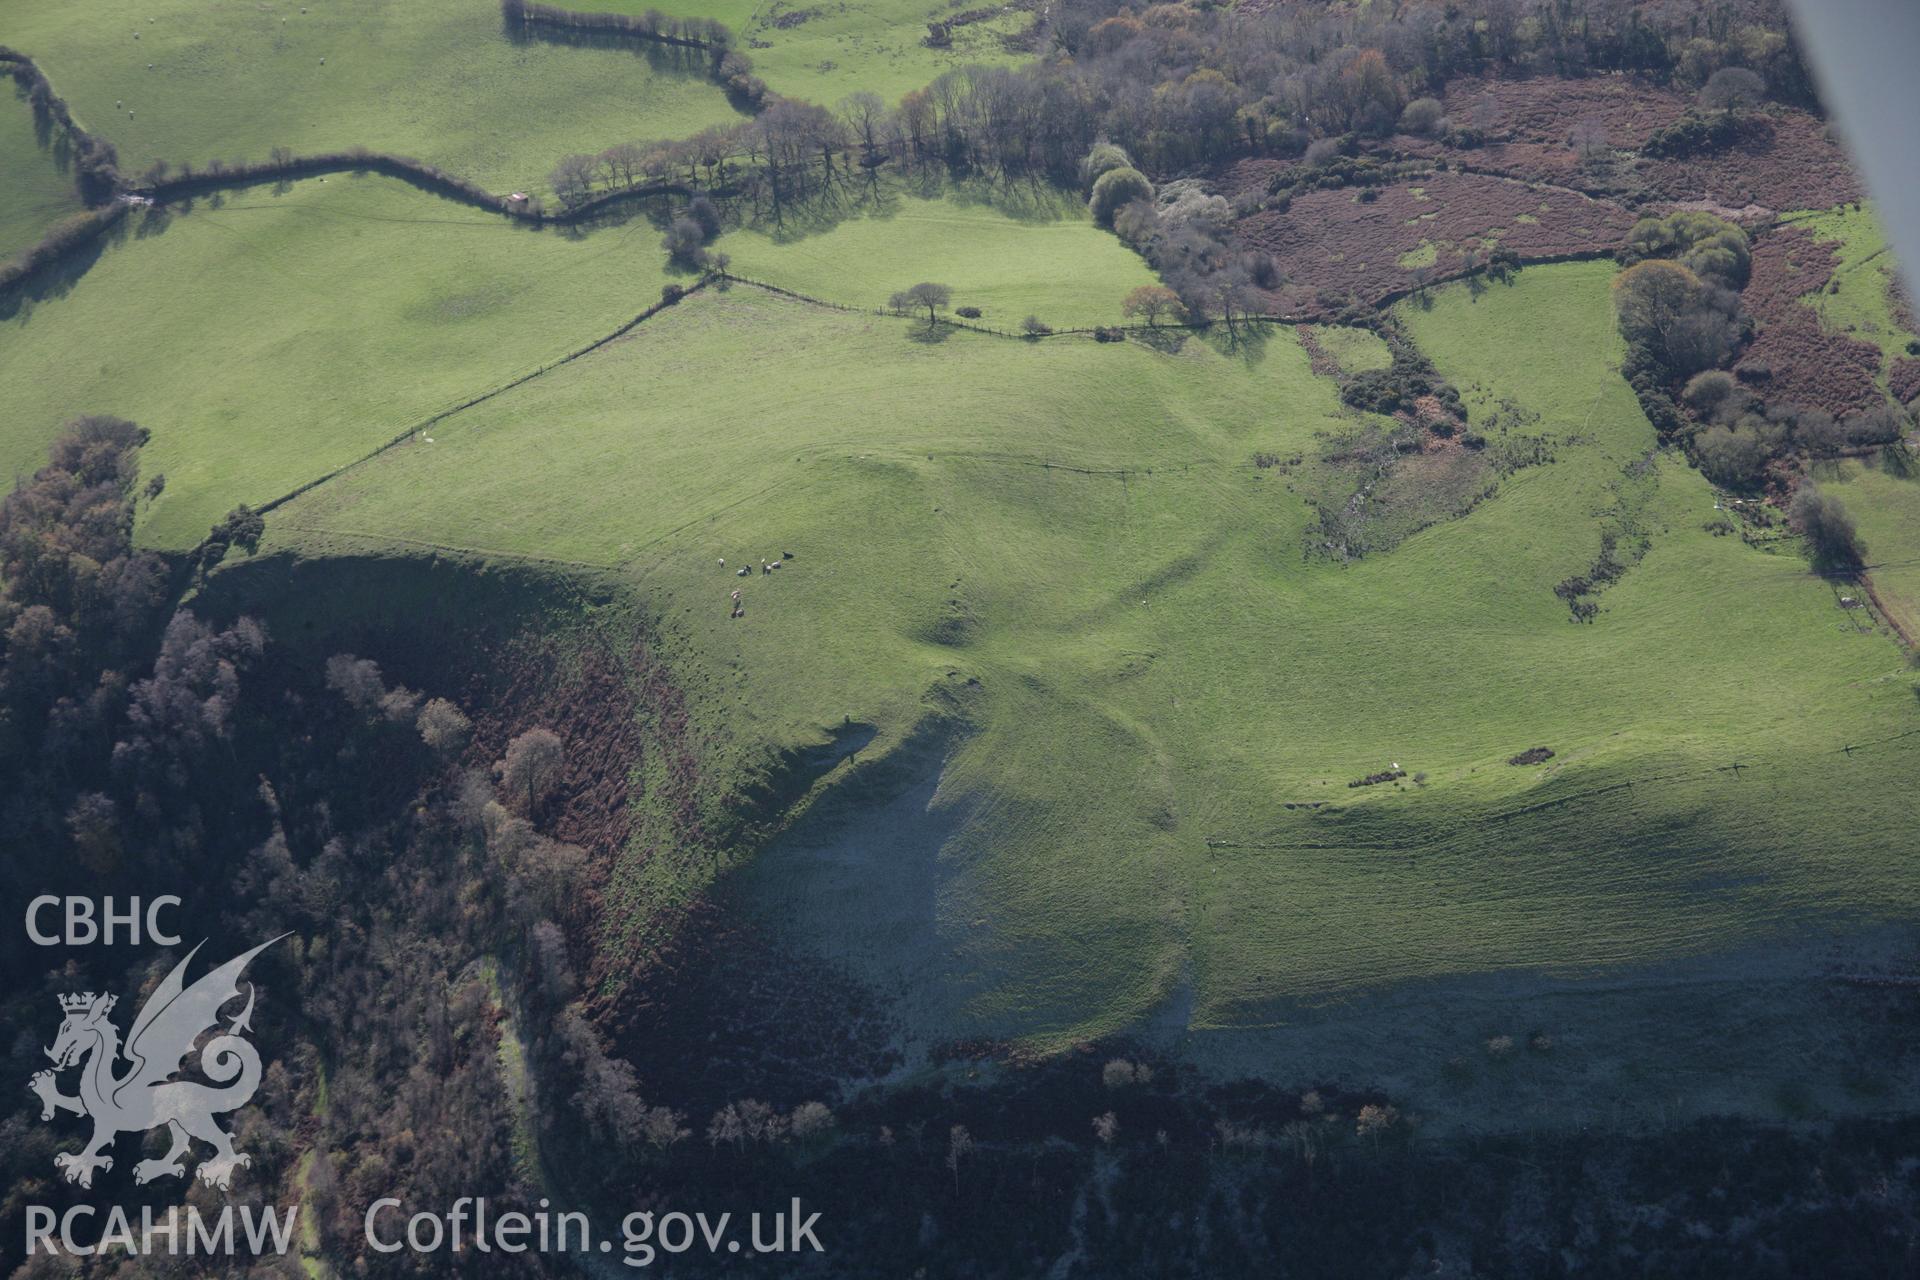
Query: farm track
1880	607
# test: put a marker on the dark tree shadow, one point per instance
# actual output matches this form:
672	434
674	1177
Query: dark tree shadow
884	195
659	56
154	221
929	335
1243	340
59	278
1166	341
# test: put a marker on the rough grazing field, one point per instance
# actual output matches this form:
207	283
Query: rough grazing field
1531	125
38	190
1784	160
1807	362
1549	112
1111	712
1830	329
330	317
823	52
436	79
1866	305
1009	253
1333	240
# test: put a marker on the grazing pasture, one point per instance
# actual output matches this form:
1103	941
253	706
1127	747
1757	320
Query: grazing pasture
821	52
1010	252
38	190
434	79
329	317
1116	706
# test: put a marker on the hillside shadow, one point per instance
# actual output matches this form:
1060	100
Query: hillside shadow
420	614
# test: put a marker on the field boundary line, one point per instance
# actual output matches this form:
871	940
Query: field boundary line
442	415
948	322
452	548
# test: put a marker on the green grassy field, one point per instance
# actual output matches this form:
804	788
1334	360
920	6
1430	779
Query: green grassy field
436	79
1863	308
1355	350
38	191
1014	253
1110	683
1884	501
823	52
328	317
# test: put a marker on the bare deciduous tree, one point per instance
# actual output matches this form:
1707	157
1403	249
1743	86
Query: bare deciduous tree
934	297
531	769
444	727
1153	301
959	1147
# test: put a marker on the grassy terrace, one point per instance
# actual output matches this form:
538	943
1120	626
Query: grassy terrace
1100	828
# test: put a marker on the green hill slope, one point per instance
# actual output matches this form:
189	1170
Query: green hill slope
1119	698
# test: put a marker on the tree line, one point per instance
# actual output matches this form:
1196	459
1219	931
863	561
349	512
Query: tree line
1179	86
96	163
1123	92
96	175
687	32
726	64
1175	87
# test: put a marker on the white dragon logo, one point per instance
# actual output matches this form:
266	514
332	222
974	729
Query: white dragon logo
169	1024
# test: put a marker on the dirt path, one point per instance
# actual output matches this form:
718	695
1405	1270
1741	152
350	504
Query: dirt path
1880	605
